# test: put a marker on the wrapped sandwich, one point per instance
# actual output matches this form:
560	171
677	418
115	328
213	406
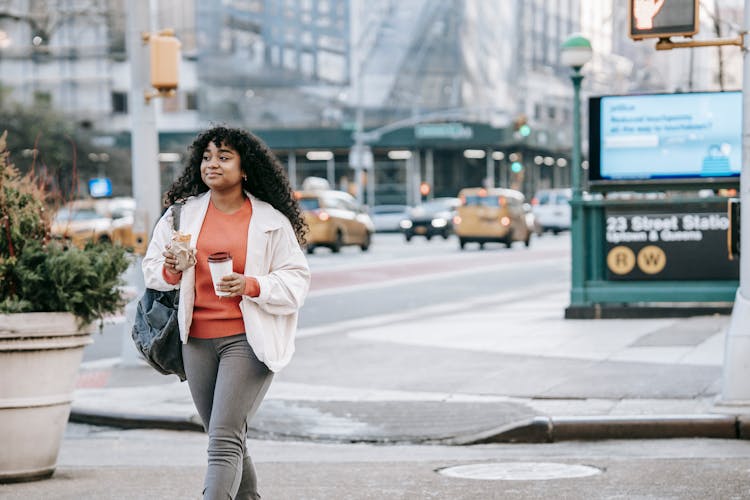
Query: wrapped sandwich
180	246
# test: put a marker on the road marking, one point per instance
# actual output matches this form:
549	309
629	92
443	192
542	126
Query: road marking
431	311
386	278
92	379
100	364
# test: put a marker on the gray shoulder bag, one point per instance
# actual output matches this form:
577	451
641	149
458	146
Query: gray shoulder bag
155	332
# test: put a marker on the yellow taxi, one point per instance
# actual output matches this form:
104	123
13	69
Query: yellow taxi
96	220
335	220
491	215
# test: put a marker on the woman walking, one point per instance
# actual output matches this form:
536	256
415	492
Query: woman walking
239	329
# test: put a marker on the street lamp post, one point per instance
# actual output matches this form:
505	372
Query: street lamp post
144	148
735	393
575	52
144	136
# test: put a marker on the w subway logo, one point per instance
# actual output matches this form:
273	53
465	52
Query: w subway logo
650	260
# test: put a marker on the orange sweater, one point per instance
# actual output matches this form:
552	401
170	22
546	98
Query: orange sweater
215	316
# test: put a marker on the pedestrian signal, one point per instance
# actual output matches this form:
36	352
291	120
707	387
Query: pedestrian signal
662	18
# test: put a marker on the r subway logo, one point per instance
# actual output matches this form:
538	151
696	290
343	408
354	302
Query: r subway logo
621	260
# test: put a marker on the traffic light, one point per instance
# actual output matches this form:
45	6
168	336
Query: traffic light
662	18
165	61
521	126
516	167
424	190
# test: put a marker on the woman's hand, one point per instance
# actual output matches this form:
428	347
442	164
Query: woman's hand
233	284
170	260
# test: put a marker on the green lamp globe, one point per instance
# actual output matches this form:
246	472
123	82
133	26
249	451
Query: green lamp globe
575	51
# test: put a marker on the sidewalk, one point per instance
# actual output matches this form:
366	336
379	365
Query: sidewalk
497	369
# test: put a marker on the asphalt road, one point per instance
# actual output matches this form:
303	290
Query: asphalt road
394	277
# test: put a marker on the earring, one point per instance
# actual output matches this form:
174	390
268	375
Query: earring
244	177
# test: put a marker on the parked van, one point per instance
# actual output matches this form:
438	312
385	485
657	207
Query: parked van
491	215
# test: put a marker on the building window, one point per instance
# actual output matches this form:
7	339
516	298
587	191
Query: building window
119	102
42	99
171	104
191	101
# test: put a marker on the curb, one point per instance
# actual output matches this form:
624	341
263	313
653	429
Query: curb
608	311
537	430
133	420
573	428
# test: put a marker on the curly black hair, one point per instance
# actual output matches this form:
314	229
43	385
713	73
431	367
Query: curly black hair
266	177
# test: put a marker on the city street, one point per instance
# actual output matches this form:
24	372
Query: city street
398	277
401	350
395	276
104	463
462	355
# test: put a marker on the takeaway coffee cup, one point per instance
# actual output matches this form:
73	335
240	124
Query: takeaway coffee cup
220	264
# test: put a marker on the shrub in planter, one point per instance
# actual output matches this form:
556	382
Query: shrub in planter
37	274
49	295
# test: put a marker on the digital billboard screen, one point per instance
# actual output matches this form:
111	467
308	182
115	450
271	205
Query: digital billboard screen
694	136
100	187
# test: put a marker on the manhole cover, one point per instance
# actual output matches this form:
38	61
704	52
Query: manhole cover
519	471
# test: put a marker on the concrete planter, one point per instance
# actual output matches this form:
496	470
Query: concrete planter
40	354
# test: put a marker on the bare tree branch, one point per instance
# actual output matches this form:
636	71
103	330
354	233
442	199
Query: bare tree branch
47	16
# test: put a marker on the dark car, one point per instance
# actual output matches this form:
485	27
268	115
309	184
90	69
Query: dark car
432	218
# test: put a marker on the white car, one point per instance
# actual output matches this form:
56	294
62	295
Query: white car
552	209
387	217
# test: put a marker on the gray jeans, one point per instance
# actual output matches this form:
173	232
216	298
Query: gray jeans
227	383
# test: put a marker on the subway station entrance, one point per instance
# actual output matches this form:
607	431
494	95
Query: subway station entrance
653	234
654	256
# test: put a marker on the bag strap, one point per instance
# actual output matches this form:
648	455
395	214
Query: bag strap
176	209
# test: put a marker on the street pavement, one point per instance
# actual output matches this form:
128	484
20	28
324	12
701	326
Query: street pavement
101	463
498	368
495	369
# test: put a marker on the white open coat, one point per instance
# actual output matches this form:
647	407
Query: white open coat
273	257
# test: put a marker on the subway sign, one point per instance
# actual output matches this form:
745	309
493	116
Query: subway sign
673	245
